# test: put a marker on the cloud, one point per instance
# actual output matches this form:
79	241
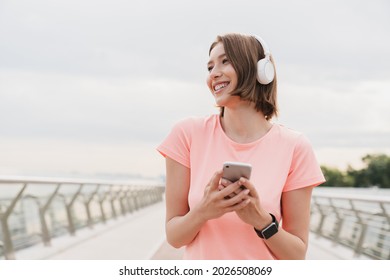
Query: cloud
64	157
341	114
100	110
117	72
155	39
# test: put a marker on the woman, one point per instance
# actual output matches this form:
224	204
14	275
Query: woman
267	218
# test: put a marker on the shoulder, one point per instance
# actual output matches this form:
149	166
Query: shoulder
292	137
287	133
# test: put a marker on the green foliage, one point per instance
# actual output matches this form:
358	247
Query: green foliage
337	178
378	170
375	173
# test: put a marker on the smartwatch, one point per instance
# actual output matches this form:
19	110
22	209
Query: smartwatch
269	230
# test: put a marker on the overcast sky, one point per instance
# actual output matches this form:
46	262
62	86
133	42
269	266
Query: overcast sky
93	86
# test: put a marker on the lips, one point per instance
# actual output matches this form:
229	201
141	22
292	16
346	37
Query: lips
219	86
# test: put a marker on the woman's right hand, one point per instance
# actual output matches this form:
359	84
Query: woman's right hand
218	200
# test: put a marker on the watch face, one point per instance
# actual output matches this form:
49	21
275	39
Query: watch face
270	230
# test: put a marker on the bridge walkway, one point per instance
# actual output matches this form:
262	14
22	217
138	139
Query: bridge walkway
141	236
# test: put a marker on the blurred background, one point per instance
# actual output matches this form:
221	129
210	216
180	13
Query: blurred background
88	90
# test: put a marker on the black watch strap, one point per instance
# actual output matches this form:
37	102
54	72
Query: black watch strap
269	230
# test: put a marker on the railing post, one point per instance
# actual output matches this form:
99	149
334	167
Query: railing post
381	239
134	195
162	191
126	198
68	206
102	198
121	195
9	253
42	211
87	202
385	214
130	200
338	225
142	196
112	201
359	246
322	218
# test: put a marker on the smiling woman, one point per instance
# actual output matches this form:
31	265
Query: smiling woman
218	219
237	58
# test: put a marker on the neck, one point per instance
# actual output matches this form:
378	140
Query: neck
244	125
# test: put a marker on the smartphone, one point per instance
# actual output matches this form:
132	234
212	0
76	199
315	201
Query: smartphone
233	171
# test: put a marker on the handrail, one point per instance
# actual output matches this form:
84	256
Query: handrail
16	234
62	180
359	221
355	197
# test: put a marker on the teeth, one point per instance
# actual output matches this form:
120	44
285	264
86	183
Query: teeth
220	86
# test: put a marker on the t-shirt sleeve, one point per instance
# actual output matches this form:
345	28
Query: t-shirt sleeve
305	170
177	144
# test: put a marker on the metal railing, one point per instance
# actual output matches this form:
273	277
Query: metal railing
34	210
361	222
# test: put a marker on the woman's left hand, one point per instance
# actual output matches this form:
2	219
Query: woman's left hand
253	213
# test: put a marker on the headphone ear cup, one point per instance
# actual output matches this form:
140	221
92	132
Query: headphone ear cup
265	71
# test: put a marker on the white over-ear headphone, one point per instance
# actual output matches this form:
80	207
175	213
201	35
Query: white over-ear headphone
265	67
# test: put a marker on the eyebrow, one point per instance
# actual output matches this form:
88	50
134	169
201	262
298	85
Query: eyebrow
220	56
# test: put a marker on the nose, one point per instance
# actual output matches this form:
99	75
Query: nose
215	73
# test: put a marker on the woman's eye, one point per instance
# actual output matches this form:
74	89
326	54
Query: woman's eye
209	68
225	60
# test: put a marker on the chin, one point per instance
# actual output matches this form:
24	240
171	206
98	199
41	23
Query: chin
223	100
220	103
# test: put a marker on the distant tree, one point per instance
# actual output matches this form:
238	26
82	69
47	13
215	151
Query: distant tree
375	173
360	179
377	170
348	179
336	178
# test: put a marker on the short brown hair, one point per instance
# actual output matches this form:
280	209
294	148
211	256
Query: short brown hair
244	51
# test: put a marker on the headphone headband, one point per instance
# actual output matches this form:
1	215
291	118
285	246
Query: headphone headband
267	52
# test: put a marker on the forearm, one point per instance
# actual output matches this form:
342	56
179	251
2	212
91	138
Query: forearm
290	242
181	230
286	246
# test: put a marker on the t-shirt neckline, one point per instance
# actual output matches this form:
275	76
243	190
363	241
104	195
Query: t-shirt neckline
255	142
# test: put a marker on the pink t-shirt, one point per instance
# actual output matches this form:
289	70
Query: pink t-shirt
282	160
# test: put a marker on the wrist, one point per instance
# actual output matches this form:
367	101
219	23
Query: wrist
264	220
199	214
269	230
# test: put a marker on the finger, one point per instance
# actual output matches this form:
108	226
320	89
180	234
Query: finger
248	185
233	194
225	182
231	190
237	198
214	182
230	195
221	187
237	191
239	206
